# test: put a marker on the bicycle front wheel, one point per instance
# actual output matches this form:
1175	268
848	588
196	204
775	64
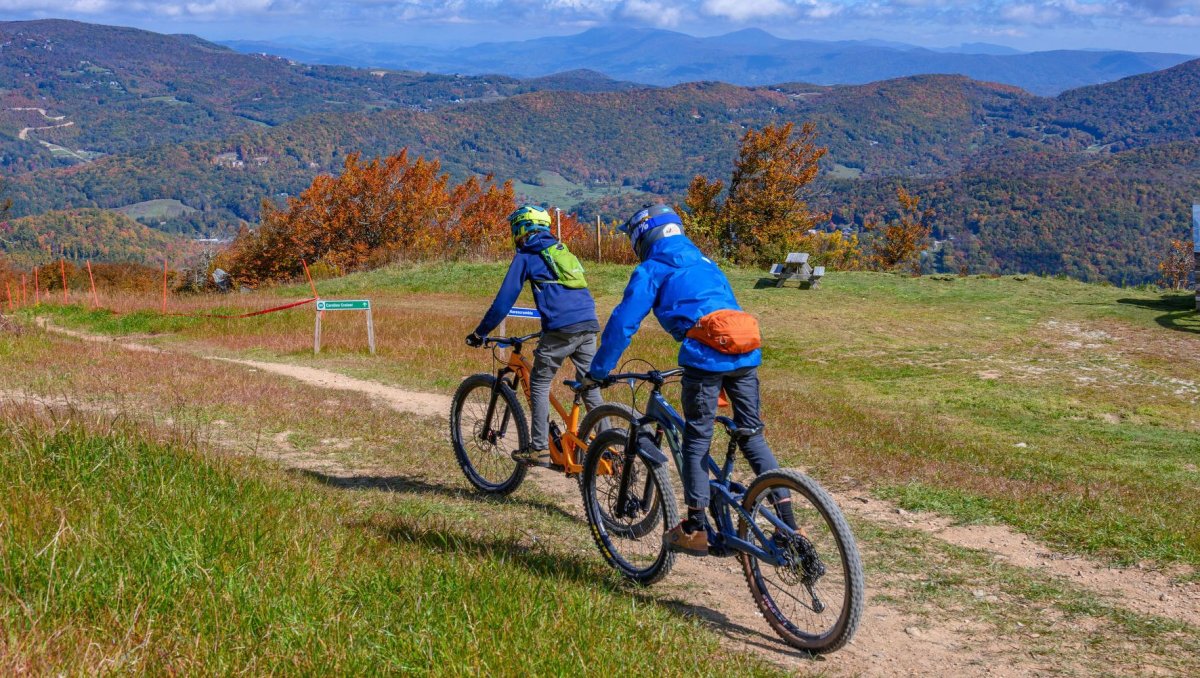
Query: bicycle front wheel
631	540
483	444
814	598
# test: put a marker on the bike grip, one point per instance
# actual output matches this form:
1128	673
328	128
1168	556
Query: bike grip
574	385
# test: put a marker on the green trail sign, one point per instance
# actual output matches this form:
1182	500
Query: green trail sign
344	305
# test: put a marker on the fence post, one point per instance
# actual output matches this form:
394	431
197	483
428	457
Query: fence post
62	268
9	288
164	304
370	331
24	290
37	292
92	280
599	251
317	334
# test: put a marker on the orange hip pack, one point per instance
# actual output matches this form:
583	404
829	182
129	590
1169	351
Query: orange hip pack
728	331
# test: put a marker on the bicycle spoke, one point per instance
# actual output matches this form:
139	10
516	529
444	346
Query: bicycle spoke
632	541
487	447
792	586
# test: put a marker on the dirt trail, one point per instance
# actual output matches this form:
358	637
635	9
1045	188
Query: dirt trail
1143	590
24	133
424	404
889	642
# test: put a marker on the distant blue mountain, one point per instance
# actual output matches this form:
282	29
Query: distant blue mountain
747	57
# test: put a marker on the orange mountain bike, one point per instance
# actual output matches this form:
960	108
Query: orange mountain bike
487	423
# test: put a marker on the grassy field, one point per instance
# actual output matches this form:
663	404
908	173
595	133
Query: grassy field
156	209
553	188
143	533
1066	410
127	550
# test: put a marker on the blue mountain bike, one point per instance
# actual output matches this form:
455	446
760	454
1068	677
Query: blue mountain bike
806	579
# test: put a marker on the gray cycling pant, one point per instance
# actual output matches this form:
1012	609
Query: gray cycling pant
552	349
700	392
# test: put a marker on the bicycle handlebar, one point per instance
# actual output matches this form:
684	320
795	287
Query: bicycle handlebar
656	377
509	341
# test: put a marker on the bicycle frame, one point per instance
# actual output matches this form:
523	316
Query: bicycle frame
724	493
566	449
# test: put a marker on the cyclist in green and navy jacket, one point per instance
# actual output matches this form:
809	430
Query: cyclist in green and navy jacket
569	322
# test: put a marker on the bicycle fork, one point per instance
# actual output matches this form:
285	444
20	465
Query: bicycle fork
489	434
640	443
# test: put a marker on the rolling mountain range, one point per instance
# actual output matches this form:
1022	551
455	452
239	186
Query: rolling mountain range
1091	183
747	57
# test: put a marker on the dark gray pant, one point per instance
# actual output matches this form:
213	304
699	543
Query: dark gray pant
552	349
700	392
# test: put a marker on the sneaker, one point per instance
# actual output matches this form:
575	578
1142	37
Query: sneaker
691	543
531	456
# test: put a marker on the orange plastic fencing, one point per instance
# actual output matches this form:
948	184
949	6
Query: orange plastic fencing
92	280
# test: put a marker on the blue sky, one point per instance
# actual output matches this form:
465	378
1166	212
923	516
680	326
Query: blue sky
1147	25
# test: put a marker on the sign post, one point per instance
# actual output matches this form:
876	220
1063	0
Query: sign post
343	305
1196	250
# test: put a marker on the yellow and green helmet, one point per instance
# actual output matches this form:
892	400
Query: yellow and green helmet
528	219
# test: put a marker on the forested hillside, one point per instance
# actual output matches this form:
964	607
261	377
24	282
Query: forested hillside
1091	183
125	89
87	234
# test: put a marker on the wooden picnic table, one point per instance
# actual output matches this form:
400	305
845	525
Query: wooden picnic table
796	267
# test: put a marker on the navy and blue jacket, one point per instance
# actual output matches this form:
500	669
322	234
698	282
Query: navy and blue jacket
680	285
561	308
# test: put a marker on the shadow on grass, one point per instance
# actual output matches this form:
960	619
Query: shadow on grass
541	560
1178	311
546	562
418	486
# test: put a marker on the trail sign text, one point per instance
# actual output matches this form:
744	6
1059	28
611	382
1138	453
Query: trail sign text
344	305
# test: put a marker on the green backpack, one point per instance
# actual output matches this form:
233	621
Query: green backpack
565	267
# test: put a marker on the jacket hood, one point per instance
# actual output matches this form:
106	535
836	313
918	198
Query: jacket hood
536	242
676	251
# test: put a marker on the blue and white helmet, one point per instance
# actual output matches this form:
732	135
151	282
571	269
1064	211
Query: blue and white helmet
651	224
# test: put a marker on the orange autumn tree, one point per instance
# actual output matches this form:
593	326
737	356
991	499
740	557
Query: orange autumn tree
1176	266
371	214
897	244
765	214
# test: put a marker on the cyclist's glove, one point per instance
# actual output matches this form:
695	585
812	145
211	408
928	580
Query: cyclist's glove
589	382
474	340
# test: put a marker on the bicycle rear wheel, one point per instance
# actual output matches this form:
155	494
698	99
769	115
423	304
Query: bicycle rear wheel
483	446
633	542
605	417
814	600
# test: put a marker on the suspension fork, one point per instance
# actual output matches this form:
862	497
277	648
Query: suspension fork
490	434
632	452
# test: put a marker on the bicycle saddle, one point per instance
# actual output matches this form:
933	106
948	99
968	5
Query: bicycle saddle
739	433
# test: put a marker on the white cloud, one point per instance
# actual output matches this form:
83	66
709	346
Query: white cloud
652	12
711	15
742	10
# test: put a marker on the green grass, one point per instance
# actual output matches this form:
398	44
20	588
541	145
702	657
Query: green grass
1064	409
553	188
126	555
156	209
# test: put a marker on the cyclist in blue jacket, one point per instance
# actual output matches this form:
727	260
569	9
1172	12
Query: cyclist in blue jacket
681	286
569	322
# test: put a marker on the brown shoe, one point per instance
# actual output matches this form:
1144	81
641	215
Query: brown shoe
691	543
531	457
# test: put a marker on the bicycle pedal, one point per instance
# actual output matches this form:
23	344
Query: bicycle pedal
522	458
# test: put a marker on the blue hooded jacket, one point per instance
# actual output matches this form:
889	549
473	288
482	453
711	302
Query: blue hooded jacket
680	285
561	308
